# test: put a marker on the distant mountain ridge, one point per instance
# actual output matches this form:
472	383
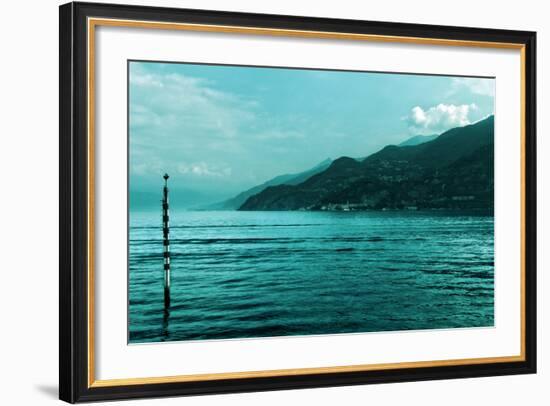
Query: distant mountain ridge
455	170
418	139
288	179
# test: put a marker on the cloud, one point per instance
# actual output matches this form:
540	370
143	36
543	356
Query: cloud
174	115
145	80
484	87
165	103
440	118
144	168
203	169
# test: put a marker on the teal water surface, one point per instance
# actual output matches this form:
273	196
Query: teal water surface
263	274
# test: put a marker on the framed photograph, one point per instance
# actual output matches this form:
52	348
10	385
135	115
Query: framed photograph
255	202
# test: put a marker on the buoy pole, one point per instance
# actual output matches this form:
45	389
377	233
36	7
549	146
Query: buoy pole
166	242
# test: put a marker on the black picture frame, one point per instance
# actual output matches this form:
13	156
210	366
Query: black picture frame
74	385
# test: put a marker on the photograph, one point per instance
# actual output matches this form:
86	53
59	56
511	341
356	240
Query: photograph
289	201
257	199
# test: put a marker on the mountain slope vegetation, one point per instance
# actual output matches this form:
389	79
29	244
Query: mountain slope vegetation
455	170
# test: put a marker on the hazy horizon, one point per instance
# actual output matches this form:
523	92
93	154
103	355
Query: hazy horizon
219	130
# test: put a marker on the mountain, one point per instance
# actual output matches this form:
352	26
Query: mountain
418	139
288	179
455	170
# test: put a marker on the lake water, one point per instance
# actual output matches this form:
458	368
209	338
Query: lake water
262	274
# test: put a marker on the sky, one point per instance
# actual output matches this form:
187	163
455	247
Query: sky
218	130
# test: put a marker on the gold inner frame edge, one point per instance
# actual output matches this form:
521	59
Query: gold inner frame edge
92	23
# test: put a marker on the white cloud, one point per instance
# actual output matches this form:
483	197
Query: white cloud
172	103
151	166
145	80
174	115
440	118
203	169
485	87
